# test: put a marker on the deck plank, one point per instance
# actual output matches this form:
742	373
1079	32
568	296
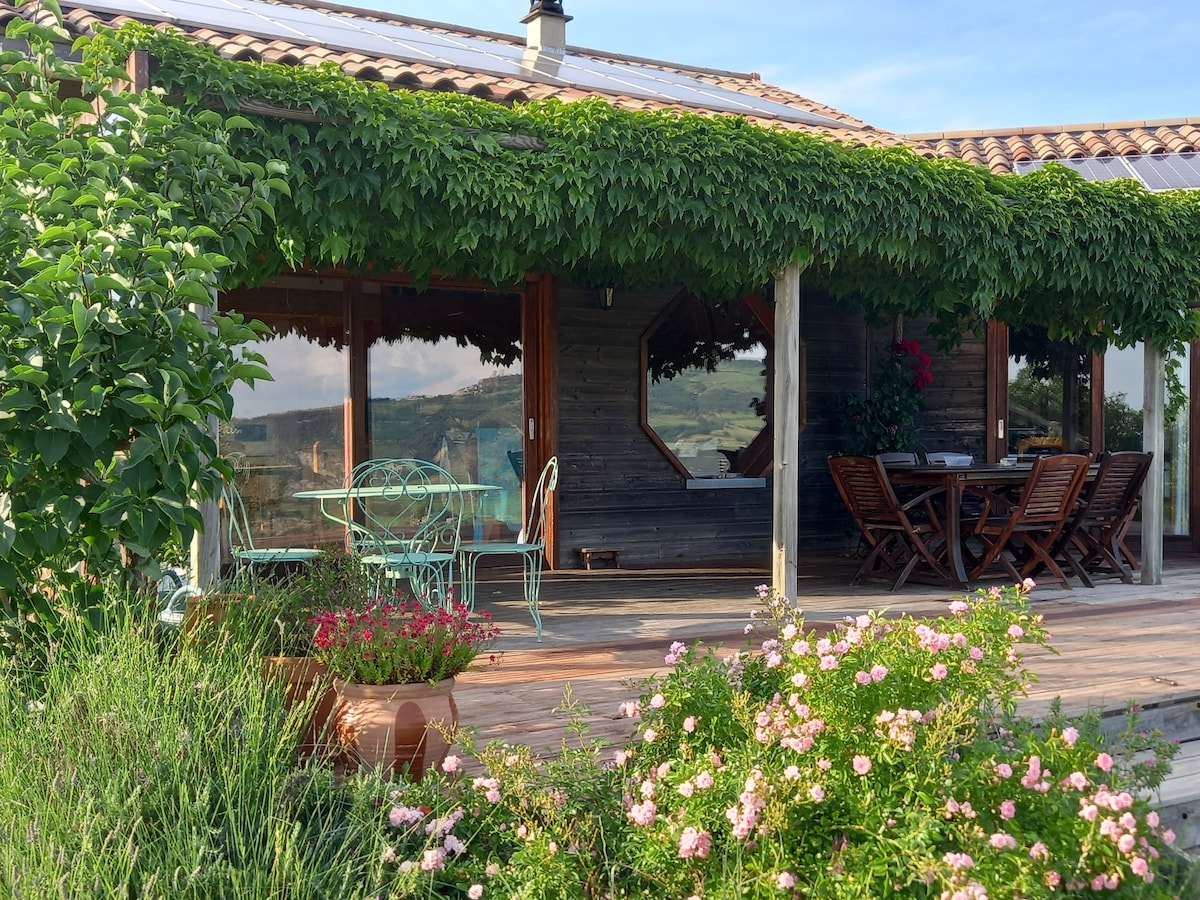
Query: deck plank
1115	644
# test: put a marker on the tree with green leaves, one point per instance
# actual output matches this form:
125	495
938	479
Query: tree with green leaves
118	214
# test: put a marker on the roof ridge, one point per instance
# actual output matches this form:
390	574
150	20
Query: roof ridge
1021	131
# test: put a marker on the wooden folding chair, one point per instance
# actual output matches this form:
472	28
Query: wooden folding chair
1106	508
898	542
1027	534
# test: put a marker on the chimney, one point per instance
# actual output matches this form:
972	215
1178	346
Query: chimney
547	27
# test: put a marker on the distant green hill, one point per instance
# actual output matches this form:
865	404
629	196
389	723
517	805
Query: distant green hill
699	406
695	406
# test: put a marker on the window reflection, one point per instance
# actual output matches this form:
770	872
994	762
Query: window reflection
707	386
1124	377
286	436
445	385
1049	394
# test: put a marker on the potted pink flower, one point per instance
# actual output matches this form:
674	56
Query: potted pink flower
394	668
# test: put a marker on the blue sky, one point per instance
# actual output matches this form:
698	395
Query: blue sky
909	66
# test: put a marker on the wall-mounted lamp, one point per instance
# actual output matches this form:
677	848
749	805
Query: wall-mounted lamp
606	295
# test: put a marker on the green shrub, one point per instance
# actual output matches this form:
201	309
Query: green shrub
880	760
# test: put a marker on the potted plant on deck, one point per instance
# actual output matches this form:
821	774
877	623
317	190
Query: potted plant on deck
287	608
394	668
886	420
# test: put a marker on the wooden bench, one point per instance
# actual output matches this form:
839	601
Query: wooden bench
590	555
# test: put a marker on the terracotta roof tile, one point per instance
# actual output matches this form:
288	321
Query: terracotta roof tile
997	148
1122	144
1048	142
421	76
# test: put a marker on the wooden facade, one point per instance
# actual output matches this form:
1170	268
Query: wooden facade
617	487
584	384
584	399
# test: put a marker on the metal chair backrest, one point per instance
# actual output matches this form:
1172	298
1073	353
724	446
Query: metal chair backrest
516	459
898	457
403	506
1050	493
865	489
238	529
940	457
534	531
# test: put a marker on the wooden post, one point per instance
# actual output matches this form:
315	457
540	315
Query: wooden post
205	559
785	517
1153	440
996	444
1193	479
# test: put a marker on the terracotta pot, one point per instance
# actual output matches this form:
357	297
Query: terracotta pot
209	611
388	726
304	675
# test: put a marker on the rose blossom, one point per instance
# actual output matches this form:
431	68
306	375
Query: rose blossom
694	843
643	813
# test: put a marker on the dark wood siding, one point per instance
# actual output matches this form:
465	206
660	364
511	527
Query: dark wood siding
955	416
836	343
618	490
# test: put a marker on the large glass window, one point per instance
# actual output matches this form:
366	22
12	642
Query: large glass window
288	435
707	383
1124	379
1049	394
445	384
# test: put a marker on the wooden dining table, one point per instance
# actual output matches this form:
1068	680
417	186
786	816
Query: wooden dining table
954	481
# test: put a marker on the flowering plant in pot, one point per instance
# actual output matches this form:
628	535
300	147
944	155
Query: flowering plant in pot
394	666
887	419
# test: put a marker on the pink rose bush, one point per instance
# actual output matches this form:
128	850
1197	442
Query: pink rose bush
878	758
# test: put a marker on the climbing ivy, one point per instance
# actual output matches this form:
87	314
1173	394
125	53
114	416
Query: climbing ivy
420	181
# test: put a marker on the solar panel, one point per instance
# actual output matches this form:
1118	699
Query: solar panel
1097	168
311	27
1156	172
1168	171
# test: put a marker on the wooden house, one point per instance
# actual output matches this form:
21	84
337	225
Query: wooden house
660	408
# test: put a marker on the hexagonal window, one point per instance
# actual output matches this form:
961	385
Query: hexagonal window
707	386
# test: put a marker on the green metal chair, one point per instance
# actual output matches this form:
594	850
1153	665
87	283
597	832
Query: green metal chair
244	553
404	519
530	545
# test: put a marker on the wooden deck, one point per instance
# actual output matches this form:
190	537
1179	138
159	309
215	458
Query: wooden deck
605	630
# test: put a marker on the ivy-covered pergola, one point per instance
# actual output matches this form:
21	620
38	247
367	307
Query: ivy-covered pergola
445	183
429	182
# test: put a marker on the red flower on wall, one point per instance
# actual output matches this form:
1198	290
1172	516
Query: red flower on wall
886	419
